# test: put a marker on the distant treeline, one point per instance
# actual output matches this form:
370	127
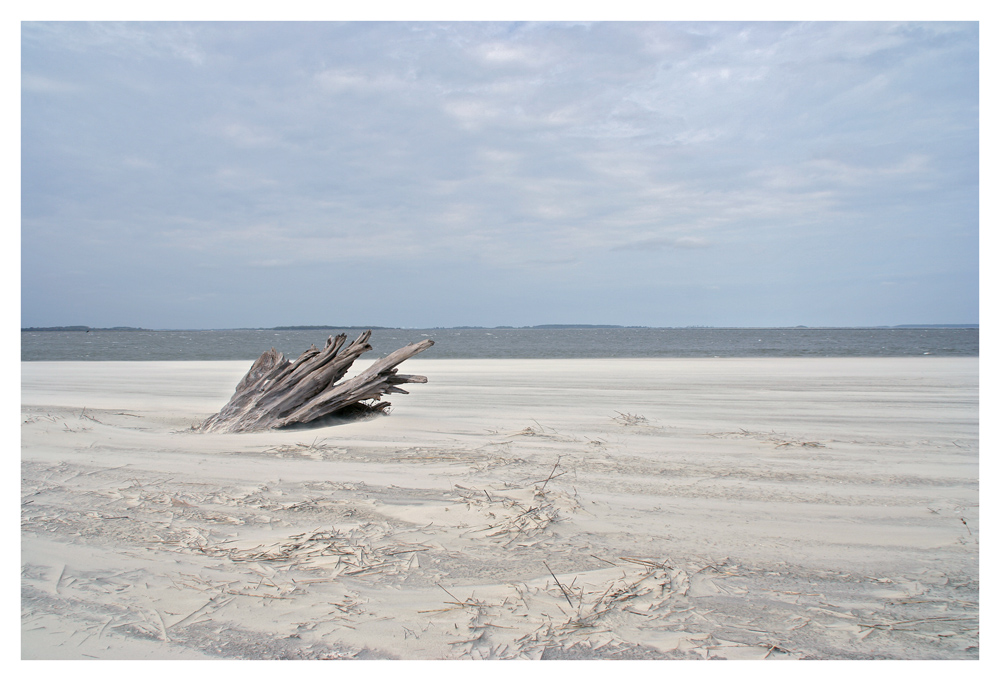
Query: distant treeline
936	326
538	326
82	328
323	328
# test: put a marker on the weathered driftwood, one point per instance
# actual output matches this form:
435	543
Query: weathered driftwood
277	392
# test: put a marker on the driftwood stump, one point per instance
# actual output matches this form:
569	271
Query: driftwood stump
277	392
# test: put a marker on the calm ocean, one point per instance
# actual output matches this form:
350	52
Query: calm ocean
509	343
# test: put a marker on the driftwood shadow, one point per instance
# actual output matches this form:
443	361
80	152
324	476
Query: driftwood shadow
343	417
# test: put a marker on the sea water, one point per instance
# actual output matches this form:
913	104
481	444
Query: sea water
509	343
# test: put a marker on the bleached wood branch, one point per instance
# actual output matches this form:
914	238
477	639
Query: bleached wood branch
276	392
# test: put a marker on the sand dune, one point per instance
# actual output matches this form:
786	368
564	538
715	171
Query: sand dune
731	508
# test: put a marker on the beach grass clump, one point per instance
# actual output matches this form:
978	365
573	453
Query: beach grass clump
629	419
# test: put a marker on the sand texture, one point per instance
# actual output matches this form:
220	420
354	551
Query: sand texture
732	508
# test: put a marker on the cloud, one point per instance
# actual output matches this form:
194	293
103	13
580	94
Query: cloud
247	135
682	242
126	39
48	86
345	80
382	146
508	53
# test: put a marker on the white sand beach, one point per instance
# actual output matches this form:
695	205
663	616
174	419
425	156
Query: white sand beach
802	508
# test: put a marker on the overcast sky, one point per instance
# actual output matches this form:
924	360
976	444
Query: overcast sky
218	175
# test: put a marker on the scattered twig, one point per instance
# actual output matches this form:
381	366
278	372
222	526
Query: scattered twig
243	593
627	419
559	584
923	620
552	472
778	440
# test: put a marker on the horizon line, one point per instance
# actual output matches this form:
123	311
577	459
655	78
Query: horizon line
303	327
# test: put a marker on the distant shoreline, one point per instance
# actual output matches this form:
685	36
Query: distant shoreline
88	329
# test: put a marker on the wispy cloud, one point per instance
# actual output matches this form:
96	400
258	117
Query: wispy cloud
125	39
44	85
391	147
664	242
